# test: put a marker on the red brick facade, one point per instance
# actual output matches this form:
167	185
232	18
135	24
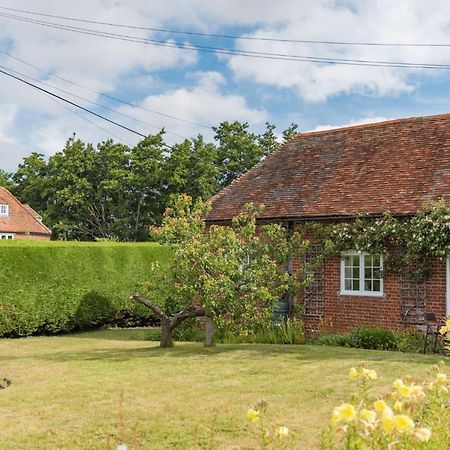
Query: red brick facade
394	166
344	312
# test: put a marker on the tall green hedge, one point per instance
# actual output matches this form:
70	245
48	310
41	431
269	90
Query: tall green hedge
56	287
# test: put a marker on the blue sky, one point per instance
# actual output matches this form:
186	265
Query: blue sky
207	88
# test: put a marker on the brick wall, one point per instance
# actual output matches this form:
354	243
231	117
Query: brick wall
343	312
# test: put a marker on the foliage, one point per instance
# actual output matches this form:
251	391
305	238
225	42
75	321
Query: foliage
404	340
409	340
234	274
288	332
52	287
373	338
5	180
85	192
445	331
413	415
334	339
406	243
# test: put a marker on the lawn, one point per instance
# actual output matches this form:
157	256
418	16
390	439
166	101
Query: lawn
95	390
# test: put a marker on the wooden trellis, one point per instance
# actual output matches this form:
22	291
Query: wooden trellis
412	301
314	297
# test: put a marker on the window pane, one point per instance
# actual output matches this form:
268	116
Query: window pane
348	272
377	260
367	285
376	286
348	285
355	272
355	260
368	260
367	272
356	285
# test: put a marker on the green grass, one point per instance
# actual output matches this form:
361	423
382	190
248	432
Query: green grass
66	391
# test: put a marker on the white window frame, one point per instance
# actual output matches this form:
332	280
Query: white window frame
361	291
7	236
4	206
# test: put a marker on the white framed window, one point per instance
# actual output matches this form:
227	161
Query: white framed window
4	209
361	274
4	236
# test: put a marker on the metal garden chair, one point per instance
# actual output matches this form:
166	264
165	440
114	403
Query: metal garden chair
432	329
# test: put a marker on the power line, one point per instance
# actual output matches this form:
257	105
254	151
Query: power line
230	36
233	52
85	99
75	104
90	101
116	99
87	120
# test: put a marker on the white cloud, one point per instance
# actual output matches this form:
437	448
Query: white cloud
111	66
204	103
376	21
361	121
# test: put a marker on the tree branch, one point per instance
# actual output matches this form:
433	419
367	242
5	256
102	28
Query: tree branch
188	313
143	301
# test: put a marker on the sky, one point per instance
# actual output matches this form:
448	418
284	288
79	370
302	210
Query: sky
201	89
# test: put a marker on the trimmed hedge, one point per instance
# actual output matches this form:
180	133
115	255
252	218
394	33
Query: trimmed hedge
57	287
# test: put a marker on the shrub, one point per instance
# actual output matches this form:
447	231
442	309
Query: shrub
335	340
57	287
409	341
288	332
373	338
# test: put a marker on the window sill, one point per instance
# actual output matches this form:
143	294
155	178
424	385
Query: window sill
361	294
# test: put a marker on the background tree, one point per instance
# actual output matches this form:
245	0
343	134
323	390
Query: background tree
6	180
112	191
233	275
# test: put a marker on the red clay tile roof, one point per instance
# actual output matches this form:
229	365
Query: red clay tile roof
390	166
21	218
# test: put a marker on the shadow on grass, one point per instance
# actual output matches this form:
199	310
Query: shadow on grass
300	353
116	334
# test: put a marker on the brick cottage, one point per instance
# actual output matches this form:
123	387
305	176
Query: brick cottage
18	221
337	175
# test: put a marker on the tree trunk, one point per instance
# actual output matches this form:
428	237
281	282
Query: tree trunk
166	334
209	340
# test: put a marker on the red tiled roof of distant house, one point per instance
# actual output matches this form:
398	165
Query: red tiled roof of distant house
392	166
21	218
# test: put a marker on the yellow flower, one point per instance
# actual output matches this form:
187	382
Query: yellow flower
397	384
441	378
444	329
282	432
343	413
369	374
379	405
253	415
417	392
403	423
353	373
398	406
422	434
368	415
387	420
404	390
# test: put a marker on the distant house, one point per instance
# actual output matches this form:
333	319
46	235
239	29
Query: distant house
338	175
18	221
